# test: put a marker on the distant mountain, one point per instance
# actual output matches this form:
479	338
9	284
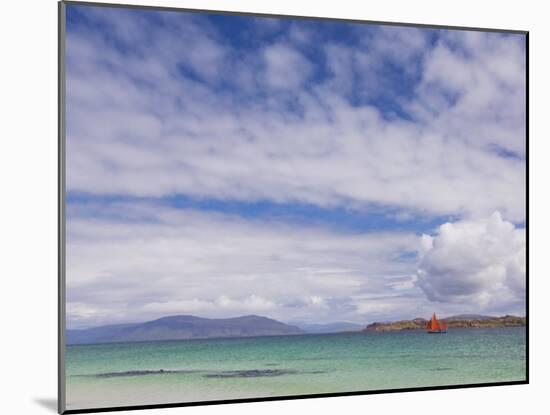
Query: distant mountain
335	327
461	321
94	334
182	327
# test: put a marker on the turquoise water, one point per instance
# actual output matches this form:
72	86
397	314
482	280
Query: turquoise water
197	370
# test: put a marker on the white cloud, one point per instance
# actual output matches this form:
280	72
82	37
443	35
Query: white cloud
252	303
479	262
171	261
137	125
219	306
286	67
160	261
473	90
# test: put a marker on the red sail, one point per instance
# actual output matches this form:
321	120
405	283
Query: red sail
434	324
443	325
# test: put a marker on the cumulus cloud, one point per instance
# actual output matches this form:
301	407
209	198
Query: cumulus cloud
479	262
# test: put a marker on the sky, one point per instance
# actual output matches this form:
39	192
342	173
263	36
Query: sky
306	170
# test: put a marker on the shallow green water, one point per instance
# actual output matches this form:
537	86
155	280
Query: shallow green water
197	370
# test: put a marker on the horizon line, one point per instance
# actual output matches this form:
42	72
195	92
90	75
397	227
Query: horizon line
290	322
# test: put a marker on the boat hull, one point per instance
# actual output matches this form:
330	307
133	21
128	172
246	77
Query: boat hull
437	331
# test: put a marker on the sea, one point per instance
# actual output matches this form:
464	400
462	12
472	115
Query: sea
146	373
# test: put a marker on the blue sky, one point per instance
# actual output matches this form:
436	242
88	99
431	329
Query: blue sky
303	169
247	35
370	218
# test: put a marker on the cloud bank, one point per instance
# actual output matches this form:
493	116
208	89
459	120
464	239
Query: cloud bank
162	260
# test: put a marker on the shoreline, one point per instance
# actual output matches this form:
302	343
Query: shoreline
452	323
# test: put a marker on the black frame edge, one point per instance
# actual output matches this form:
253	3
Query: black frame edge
290	16
527	206
61	385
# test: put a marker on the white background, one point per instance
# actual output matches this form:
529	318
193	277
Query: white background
28	187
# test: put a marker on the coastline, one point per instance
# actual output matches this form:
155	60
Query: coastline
452	323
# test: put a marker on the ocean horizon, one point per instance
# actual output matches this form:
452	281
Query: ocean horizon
195	370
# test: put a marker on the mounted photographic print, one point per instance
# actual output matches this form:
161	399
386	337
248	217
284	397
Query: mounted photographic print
260	207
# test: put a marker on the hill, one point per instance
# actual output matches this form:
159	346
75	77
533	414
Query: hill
182	327
461	321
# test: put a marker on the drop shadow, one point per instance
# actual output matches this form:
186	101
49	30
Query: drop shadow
48	403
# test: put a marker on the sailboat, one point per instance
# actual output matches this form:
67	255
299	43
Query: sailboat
436	326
